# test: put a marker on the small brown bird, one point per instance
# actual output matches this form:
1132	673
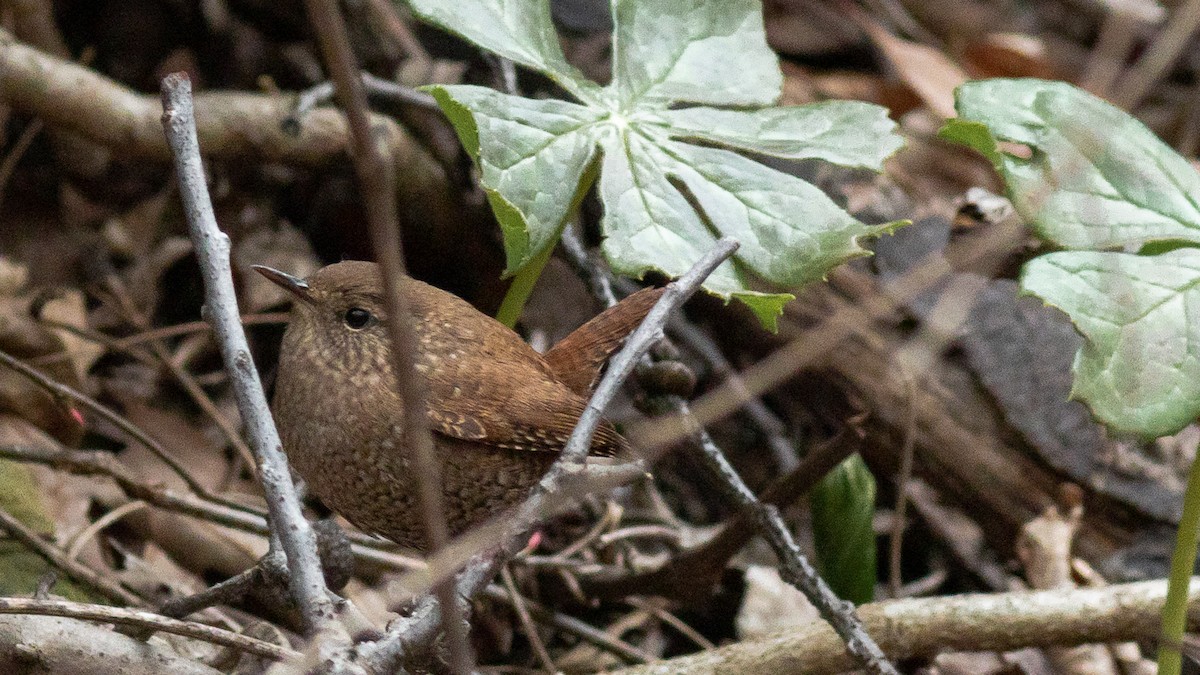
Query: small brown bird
499	412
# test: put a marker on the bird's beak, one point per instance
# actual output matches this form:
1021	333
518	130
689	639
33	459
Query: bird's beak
294	285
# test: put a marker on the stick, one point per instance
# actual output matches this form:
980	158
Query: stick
150	620
376	175
212	248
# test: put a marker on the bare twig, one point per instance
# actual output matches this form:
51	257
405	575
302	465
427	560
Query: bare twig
74	569
9	163
387	15
522	610
794	568
1162	53
163	332
93	463
700	566
376	175
726	398
85	535
212	248
923	626
580	629
148	620
310	98
130	312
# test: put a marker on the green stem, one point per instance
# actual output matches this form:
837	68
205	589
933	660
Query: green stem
1183	561
522	286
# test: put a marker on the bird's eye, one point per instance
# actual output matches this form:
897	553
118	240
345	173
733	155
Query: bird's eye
357	318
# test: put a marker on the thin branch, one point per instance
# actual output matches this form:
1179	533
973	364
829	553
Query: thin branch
130	312
1141	77
80	540
212	248
151	621
376	175
318	94
163	332
573	626
917	627
517	602
57	557
96	463
782	364
700	566
794	567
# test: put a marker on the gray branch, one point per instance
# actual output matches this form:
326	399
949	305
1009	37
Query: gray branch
221	310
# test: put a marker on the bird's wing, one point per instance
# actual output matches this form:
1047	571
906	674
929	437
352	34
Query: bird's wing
539	417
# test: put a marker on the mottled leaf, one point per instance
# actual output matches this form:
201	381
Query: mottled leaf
1094	178
1139	367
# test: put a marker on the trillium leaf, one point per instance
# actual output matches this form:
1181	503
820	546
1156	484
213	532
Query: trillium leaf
649	224
694	52
1096	177
1139	369
843	513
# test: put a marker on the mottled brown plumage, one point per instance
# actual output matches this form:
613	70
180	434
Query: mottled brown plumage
499	412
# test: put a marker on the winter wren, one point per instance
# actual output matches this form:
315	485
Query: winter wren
499	412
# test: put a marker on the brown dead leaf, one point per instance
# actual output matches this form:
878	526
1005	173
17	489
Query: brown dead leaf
1009	55
26	339
927	71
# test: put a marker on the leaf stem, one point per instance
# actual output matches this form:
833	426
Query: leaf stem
522	286
1183	561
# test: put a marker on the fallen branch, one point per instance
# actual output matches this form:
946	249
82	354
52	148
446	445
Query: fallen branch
922	627
230	125
57	557
148	620
59	647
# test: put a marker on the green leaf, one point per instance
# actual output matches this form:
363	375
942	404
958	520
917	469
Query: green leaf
1139	368
518	30
849	133
843	507
651	226
1097	177
973	135
696	52
532	156
790	231
666	200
